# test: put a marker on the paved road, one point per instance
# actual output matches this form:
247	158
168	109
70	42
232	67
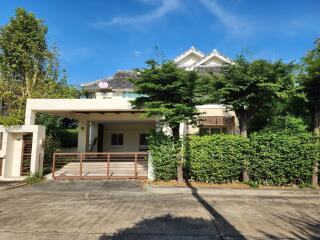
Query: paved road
102	210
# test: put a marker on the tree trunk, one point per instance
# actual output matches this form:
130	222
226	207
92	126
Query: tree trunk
315	174
243	124
176	135
316	121
316	130
243	121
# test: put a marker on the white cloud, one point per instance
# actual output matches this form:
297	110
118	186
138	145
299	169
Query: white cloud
137	53
165	7
234	24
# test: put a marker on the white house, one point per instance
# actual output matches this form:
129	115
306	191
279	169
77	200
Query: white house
112	135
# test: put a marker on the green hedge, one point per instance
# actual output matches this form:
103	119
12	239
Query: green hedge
217	158
280	159
274	158
163	150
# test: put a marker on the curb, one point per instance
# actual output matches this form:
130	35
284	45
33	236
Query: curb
234	192
12	186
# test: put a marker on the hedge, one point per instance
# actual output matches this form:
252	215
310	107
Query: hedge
280	159
274	158
217	158
163	151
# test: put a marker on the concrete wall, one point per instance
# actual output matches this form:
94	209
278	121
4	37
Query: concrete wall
12	149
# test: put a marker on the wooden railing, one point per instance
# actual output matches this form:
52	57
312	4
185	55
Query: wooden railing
100	165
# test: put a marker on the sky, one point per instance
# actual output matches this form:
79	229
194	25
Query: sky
98	37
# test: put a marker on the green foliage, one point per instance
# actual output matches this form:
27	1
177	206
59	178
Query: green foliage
163	150
68	137
310	80
28	67
251	87
33	178
52	145
282	159
217	158
168	91
286	124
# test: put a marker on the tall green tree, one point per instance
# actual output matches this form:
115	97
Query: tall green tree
28	67
310	80
168	91
247	88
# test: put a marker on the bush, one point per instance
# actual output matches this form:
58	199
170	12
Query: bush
33	178
281	159
163	150
217	158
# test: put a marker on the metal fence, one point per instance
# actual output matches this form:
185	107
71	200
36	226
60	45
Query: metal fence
100	165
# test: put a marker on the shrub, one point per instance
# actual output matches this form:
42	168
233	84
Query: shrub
33	178
280	159
163	150
217	158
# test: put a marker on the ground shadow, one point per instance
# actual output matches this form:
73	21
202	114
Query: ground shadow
304	226
168	227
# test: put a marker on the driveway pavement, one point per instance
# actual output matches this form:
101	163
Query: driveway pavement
101	210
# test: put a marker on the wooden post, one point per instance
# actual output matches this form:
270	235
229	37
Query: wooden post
81	156
108	166
135	166
53	165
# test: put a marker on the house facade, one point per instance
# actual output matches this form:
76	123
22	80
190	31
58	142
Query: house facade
111	133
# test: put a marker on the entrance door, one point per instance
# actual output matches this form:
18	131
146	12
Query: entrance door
100	137
26	154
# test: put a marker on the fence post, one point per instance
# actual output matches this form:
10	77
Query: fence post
135	166
81	156
53	164
108	166
315	173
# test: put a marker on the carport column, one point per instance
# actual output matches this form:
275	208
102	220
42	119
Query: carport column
151	176
83	136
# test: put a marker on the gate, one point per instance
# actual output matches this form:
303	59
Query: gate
26	154
130	165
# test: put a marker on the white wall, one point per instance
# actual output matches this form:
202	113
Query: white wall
131	135
12	149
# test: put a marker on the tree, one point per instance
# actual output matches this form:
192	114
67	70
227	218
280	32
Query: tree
169	92
251	87
28	67
310	80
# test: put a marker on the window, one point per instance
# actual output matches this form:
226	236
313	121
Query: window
143	140
117	139
1	136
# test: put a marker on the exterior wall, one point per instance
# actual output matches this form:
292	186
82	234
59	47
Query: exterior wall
12	149
130	135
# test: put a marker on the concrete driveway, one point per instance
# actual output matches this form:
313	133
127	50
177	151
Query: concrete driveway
124	210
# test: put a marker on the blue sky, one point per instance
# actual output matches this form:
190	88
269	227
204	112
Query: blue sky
95	38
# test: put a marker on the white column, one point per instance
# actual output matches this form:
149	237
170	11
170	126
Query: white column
83	136
151	176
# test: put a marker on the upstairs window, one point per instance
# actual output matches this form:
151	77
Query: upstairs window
117	140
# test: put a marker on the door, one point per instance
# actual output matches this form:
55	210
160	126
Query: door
26	154
100	137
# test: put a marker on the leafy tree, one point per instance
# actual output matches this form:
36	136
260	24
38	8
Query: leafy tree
286	124
310	80
251	87
28	67
169	92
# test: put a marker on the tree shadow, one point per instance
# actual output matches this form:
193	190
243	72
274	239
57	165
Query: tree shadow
182	228
304	226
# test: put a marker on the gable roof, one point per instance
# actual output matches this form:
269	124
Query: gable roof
202	58
188	52
118	81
